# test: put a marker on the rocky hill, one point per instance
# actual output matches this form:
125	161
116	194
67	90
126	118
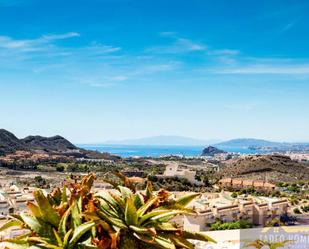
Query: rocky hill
56	143
211	151
9	142
273	168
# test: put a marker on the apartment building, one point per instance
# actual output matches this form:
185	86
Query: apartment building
259	212
238	184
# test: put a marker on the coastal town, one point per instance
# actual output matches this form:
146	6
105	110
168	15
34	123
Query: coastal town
227	199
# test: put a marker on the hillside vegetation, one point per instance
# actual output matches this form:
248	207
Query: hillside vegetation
273	168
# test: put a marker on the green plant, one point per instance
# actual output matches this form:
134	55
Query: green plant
118	219
296	211
258	244
241	224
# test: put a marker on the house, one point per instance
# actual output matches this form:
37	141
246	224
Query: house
173	170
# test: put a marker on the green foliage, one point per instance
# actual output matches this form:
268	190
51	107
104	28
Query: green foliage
118	219
175	184
258	244
241	224
61	167
40	182
274	223
305	208
296	211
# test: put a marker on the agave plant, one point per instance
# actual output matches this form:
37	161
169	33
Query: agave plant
271	245
55	220
74	217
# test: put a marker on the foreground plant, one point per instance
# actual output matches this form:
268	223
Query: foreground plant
74	217
259	244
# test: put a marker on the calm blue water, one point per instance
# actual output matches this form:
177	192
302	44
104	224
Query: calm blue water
156	151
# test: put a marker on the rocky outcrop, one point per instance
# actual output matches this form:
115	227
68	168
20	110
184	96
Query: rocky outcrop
211	151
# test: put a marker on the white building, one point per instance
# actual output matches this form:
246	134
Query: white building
173	170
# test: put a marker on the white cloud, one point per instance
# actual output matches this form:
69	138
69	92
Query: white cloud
28	45
99	48
178	45
224	52
266	69
53	37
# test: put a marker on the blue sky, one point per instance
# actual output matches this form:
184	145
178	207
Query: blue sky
113	69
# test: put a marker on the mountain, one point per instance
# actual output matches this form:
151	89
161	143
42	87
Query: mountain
273	168
9	142
211	151
163	141
248	142
55	143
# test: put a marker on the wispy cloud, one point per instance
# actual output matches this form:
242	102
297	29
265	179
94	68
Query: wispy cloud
177	45
28	45
54	37
101	81
290	25
293	69
224	52
48	43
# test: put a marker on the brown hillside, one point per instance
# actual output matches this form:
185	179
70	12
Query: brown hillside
273	168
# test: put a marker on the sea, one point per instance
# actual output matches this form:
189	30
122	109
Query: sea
158	150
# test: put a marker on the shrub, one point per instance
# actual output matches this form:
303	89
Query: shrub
241	224
297	211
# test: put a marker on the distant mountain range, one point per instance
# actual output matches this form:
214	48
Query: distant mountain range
260	144
187	141
248	142
10	143
163	141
